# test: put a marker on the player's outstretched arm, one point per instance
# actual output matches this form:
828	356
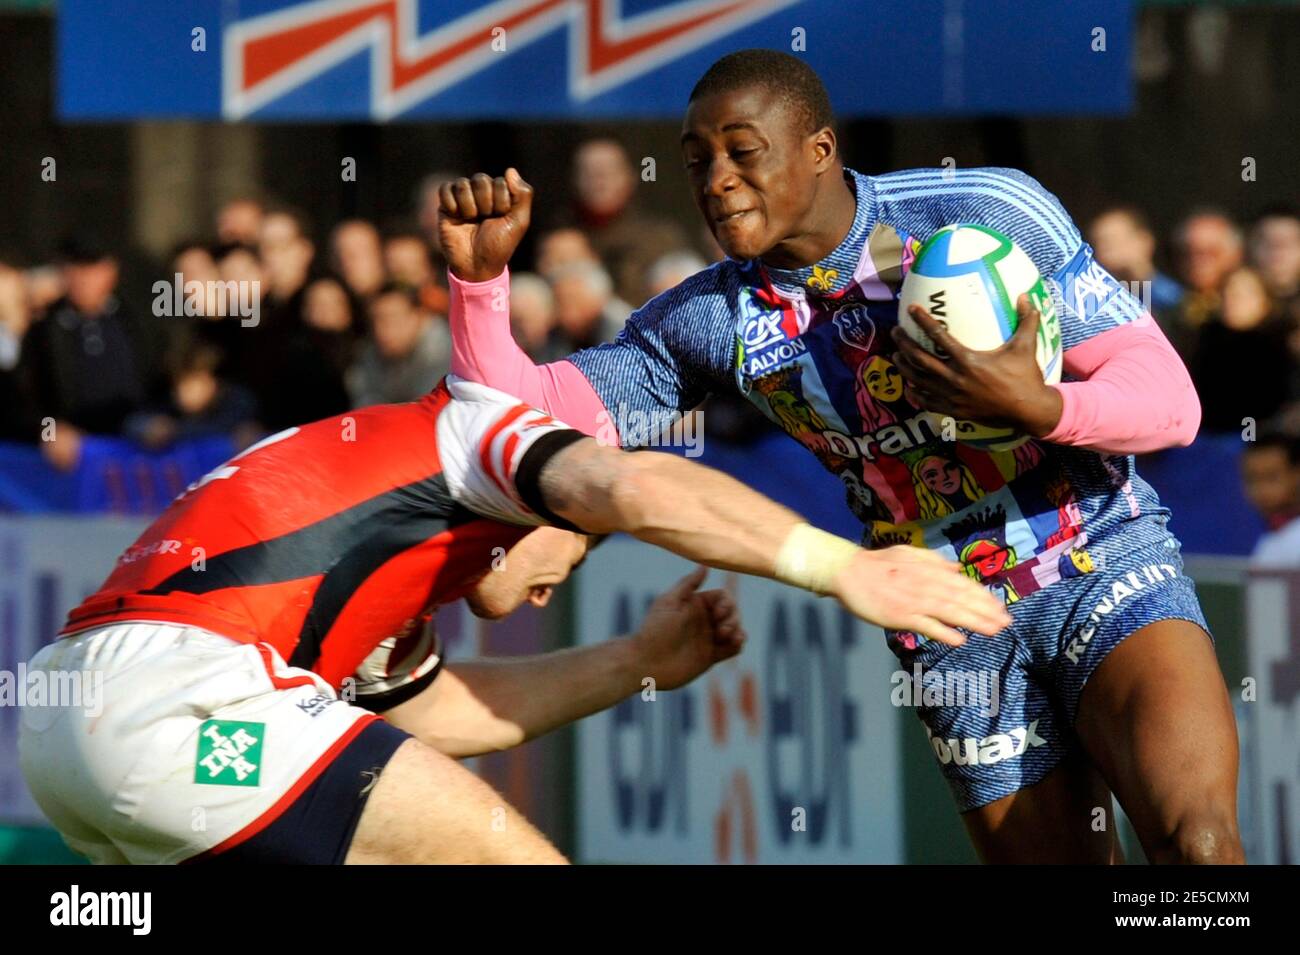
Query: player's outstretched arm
482	706
481	220
709	517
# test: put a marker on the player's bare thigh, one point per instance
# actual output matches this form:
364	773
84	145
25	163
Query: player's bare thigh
1055	821
1158	723
427	808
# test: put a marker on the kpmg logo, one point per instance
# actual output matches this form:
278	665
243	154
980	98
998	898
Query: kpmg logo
268	56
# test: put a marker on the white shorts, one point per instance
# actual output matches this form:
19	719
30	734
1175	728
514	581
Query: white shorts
194	744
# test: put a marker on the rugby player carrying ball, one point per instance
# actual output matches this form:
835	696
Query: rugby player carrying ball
1109	681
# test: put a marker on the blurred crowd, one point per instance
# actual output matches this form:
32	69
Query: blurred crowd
356	314
1230	304
1232	309
343	318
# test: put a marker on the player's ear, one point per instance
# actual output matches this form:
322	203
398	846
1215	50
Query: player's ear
825	147
540	596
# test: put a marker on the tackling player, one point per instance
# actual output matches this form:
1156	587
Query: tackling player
1109	680
309	565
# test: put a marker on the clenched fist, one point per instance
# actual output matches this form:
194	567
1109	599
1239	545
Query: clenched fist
481	221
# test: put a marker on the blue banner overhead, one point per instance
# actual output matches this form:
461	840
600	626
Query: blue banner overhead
426	59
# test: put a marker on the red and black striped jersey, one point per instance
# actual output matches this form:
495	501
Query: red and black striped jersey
327	540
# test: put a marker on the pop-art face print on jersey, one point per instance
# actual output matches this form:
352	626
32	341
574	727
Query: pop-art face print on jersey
819	365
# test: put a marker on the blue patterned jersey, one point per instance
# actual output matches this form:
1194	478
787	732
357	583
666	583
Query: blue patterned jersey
810	347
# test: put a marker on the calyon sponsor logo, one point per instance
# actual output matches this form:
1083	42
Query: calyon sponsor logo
767	338
763	329
1121	589
774	356
986	751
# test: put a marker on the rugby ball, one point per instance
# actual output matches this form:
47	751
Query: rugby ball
969	277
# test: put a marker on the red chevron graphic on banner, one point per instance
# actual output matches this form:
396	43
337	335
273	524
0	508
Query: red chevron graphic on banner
267	56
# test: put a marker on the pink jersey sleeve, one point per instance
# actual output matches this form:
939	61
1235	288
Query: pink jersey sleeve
1133	395
484	350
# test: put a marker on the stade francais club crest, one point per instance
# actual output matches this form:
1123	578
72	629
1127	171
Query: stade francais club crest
269	56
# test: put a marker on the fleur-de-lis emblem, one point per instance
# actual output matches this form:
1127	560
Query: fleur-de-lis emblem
823	280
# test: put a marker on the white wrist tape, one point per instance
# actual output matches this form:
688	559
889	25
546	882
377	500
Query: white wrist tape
812	559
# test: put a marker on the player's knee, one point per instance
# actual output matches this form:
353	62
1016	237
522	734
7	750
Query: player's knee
1202	838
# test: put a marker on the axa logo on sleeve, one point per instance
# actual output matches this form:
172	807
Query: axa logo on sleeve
994	748
1084	288
1125	588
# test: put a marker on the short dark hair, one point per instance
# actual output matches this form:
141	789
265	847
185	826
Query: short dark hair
195	356
186	245
402	229
794	81
302	222
393	287
225	249
1131	212
1278	210
83	248
1276	439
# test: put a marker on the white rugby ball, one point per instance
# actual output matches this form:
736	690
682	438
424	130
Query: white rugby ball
969	277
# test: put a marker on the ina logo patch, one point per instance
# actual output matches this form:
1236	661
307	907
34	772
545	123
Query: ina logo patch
230	753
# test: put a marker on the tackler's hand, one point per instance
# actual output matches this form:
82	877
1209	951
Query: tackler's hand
908	588
686	631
